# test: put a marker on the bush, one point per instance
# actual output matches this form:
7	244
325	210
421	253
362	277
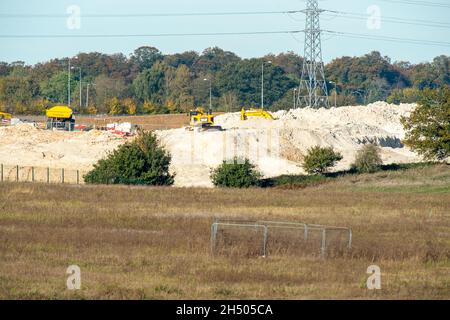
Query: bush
141	162
237	174
129	106
294	181
407	95
318	160
368	159
115	107
428	126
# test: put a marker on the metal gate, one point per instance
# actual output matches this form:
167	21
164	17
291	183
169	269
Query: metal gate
260	237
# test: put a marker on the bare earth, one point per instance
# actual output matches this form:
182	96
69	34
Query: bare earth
277	147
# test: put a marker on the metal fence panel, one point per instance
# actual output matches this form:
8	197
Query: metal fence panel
236	236
16	173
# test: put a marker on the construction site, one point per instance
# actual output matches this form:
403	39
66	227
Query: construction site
188	176
276	145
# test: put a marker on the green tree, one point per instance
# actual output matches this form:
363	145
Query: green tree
244	79
104	89
179	79
441	66
371	73
213	60
187	58
407	95
229	102
5	69
343	99
178	88
145	57
285	103
431	75
290	62
38	106
428	126
141	162
318	160
151	84
368	159
17	91
55	89
377	90
236	174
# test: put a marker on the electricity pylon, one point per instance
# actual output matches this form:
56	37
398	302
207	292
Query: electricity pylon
313	87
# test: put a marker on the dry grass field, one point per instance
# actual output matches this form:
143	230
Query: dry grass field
153	243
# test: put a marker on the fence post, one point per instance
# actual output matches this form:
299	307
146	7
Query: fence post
62	175
266	231
324	242
350	236
17	173
213	237
32	174
48	175
2	171
78	176
306	232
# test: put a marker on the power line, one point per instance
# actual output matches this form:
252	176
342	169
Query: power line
418	22
291	32
420	3
144	15
45	36
390	39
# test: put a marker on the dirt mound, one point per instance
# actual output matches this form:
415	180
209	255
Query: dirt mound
275	146
278	146
26	145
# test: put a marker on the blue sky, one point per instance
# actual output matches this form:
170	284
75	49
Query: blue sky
40	50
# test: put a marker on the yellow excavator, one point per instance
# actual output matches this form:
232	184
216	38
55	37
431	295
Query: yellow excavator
202	120
5	118
60	118
259	113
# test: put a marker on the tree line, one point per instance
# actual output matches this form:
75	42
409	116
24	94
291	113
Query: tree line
149	82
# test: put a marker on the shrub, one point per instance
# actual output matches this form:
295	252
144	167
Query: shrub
368	159
407	95
92	110
115	107
318	160
129	106
428	126
141	162
237	174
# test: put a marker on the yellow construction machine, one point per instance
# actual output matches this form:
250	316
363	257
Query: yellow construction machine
5	118
259	113
60	118
202	120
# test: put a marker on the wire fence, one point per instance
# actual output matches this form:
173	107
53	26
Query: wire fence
16	173
263	238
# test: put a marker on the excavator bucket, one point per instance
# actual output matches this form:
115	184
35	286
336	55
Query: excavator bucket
258	113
